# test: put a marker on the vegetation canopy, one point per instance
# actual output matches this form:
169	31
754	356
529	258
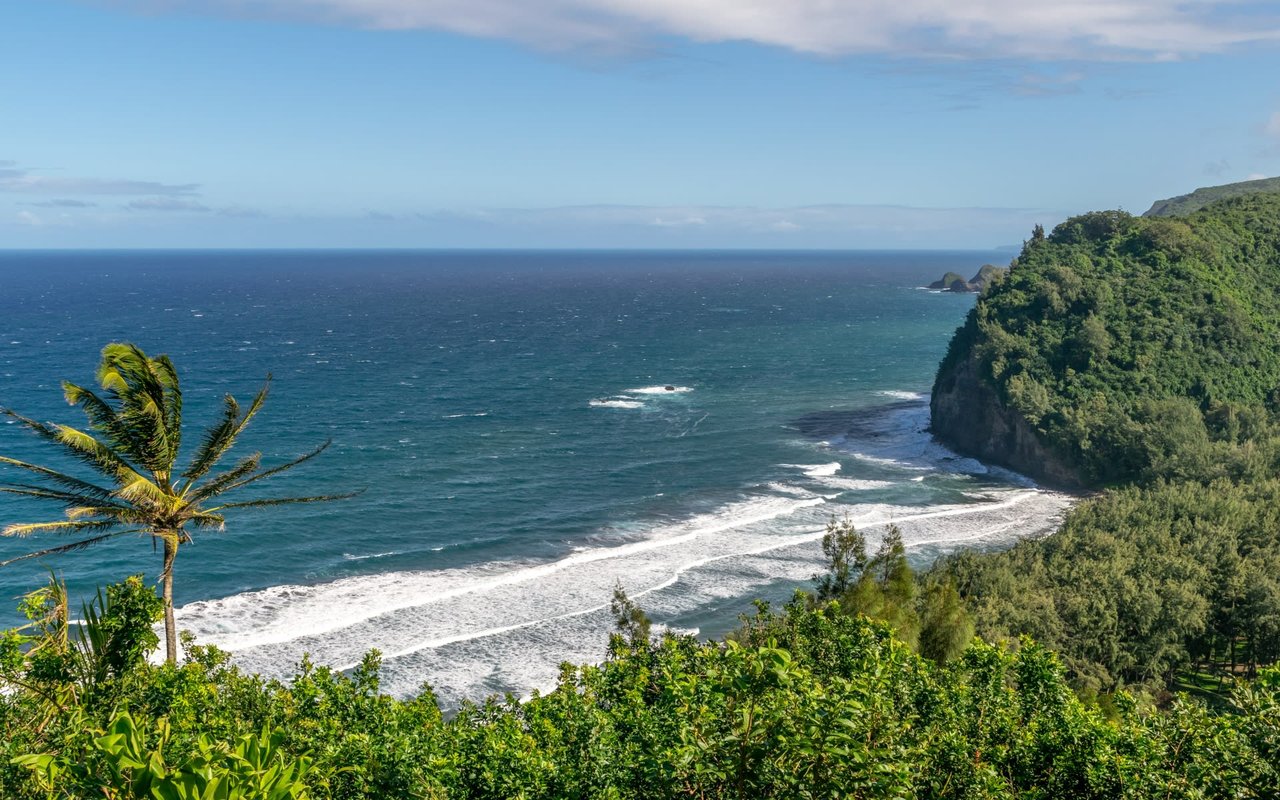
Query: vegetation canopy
1140	348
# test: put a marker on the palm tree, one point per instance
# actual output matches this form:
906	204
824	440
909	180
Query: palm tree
138	427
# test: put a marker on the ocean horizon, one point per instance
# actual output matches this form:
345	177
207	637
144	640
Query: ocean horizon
530	429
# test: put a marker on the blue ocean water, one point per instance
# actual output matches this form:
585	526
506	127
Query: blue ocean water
509	419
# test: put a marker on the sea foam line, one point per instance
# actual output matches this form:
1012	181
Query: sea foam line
290	630
779	544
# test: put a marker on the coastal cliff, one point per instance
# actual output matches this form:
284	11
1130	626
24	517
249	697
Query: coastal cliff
969	416
1123	349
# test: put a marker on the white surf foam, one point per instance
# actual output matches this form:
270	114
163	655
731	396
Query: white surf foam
291	613
530	651
615	403
901	395
858	485
817	470
888	462
350	557
660	390
506	626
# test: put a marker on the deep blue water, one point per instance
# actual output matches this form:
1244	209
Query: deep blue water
507	417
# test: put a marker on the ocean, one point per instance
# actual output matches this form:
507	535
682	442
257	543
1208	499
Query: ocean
529	429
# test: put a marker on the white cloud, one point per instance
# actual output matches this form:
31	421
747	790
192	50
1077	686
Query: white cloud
1032	29
1256	176
29	219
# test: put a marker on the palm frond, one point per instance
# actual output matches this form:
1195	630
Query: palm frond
60	479
120	514
218	483
142	490
168	375
70	526
281	501
221	437
205	519
103	419
204	493
66	548
66	498
131	378
81	446
95	452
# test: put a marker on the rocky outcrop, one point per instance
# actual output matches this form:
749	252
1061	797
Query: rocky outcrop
987	274
969	416
948	281
954	282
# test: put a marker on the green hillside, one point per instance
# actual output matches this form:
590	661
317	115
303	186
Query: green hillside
1185	204
1123	348
1143	355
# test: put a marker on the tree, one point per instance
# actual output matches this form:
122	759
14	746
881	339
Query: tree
886	589
846	553
946	628
630	619
138	427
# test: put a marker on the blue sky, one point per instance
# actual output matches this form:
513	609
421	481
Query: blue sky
618	123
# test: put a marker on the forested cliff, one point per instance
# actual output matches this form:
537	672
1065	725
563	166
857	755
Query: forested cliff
1123	348
1140	356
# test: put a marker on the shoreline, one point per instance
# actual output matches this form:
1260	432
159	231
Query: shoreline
500	626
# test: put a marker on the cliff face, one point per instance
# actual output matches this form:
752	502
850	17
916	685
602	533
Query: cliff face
968	416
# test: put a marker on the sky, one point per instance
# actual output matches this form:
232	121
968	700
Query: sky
618	123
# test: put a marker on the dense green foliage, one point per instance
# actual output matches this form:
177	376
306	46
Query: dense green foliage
1142	348
810	702
1145	353
1142	584
1190	203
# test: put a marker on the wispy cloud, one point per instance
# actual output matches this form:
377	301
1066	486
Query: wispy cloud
239	212
14	179
979	29
1039	84
1272	128
63	202
805	226
166	204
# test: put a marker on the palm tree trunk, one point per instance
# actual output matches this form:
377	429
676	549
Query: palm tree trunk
170	627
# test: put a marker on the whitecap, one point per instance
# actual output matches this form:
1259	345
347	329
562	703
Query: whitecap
887	462
856	485
615	403
350	557
817	470
901	395
786	488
